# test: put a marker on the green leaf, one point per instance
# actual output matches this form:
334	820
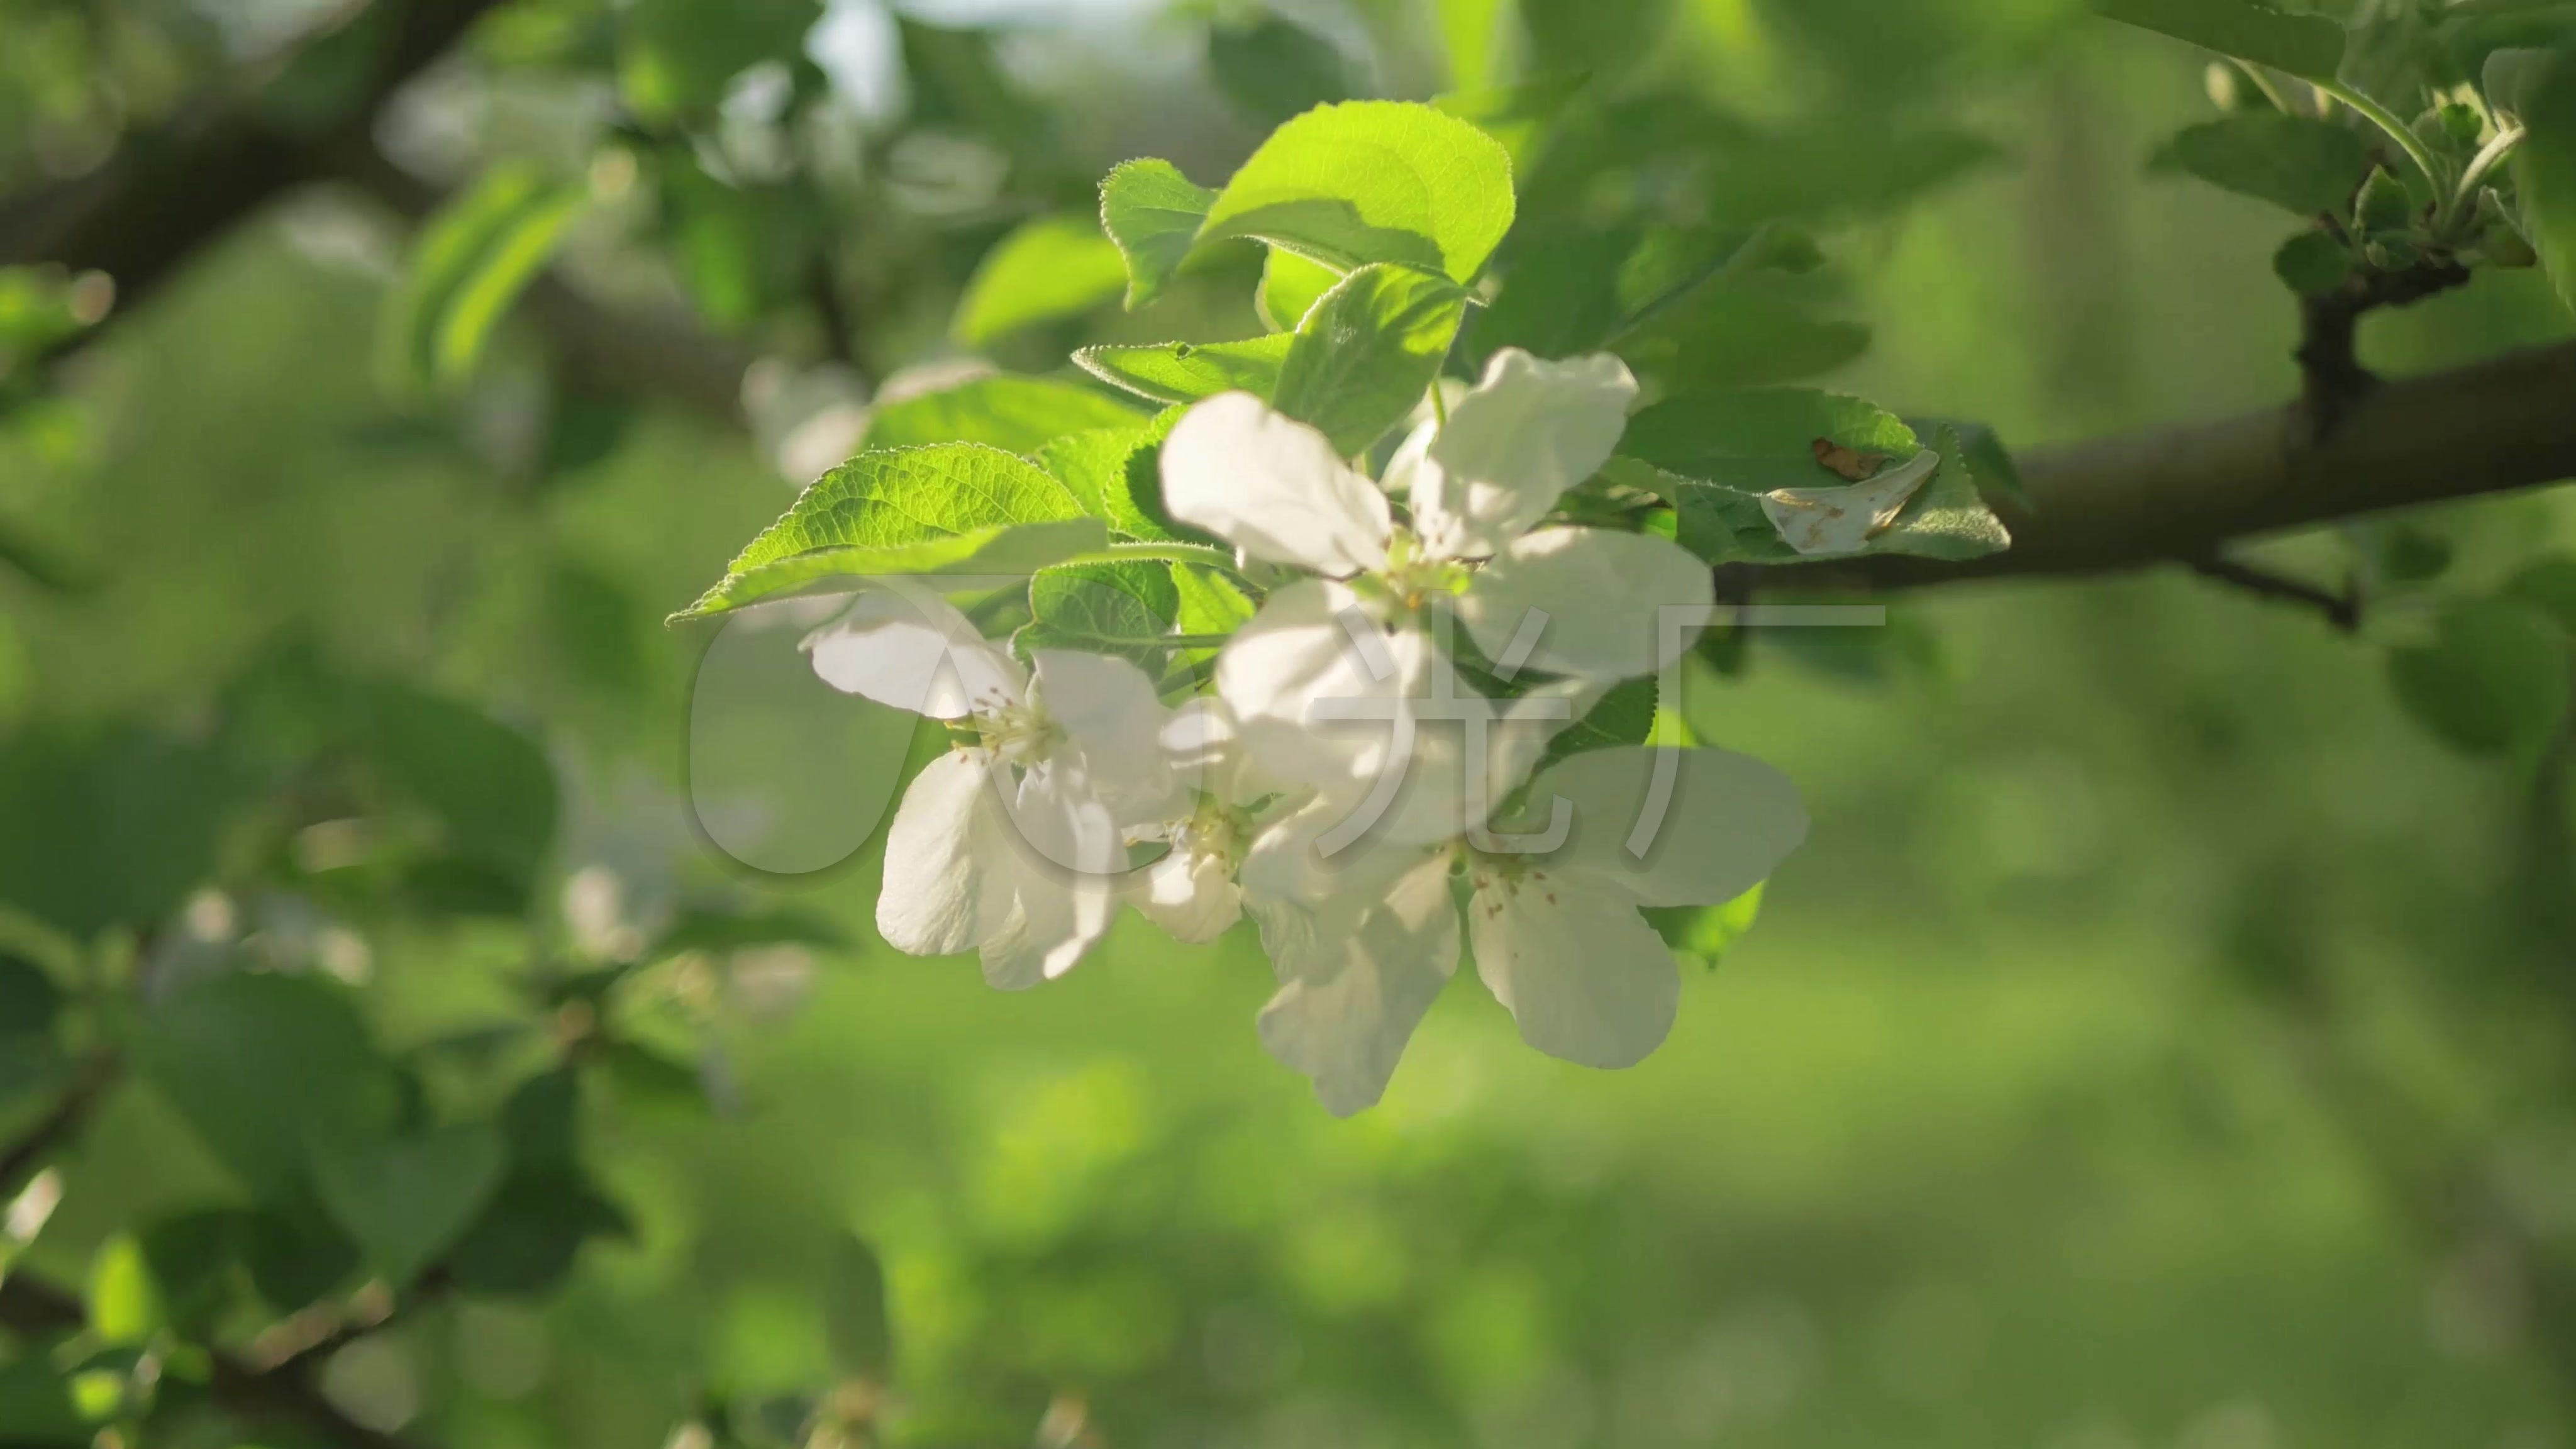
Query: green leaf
1366	354
1625	716
2544	171
676	57
190	1257
2549	585
1184	372
295	1253
471	262
490	786
1210	605
1290	288
1271	70
950	508
2303	45
1116	473
540	1124
2494	681
712	930
124	1303
1015	414
36	1404
2301	163
1716	457
1125	609
406	1199
1760	440
1153	214
2512	77
29	1001
1706	932
528	1239
1579	291
2313	263
1988	459
258	1062
1051	268
1373	181
108	829
1739	336
856	1326
2384	209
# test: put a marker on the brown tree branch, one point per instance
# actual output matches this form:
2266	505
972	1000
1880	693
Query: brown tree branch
169	190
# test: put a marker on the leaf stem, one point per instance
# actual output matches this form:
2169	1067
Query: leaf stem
2488	158
2386	120
1439	402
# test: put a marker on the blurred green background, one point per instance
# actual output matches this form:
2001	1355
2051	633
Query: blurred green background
2161	1041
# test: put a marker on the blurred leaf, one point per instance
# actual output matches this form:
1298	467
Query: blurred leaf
2384	208
1014	414
1987	457
957	82
472	260
2547	584
295	1254
1051	268
650	1077
124	1303
1372	181
1184	372
2313	263
1290	288
407	1198
106	829
2303	45
2494	681
38	562
29	1001
2299	162
855	1321
191	1258
528	1238
1271	70
2512	77
1739	336
676	57
1471	35
1153	214
491	787
36	1409
1123	609
949	508
2544	171
713	930
257	1062
1366	354
598	627
1706	932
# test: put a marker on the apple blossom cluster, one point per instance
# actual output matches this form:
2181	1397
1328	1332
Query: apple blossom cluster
1342	781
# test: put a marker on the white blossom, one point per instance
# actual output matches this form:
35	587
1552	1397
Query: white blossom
1010	843
1364	941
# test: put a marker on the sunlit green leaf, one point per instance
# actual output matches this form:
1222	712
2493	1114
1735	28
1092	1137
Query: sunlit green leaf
124	1303
1290	288
1051	268
948	508
1153	214
1015	414
1373	181
1366	354
1706	933
1125	609
1183	372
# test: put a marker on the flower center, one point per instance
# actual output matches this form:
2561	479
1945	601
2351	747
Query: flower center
1412	576
1019	733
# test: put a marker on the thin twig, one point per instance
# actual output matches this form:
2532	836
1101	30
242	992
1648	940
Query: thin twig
2343	610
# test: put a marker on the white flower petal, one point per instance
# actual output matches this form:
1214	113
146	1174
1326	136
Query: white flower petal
1725	825
1297	661
912	650
950	871
1403	469
1109	711
1601	592
1273	487
1356	979
1582	973
1824	522
1190	893
1285	866
1069	854
1531	430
